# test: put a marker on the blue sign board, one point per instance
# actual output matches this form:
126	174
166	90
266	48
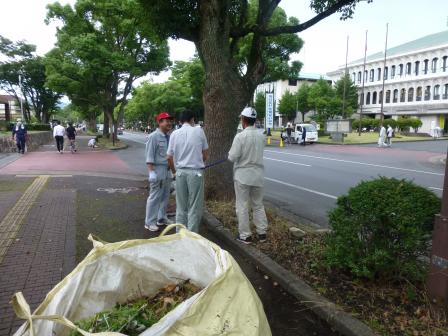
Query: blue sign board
269	110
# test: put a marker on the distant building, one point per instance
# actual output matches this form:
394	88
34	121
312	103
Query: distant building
9	108
416	81
292	85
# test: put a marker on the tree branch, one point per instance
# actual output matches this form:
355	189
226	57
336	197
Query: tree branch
292	29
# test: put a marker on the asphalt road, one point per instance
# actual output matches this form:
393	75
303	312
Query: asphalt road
306	181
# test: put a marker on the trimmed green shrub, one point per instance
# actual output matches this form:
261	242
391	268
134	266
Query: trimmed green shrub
415	124
380	228
391	122
405	123
38	127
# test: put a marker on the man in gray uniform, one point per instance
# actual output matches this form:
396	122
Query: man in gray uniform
187	153
248	175
159	174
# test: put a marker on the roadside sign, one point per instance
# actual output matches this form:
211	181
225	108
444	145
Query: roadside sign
338	126
269	110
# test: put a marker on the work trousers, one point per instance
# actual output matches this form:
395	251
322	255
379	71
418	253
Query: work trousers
20	142
250	197
389	141
189	198
157	201
59	142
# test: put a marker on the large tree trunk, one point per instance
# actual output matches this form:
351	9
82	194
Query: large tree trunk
225	95
106	124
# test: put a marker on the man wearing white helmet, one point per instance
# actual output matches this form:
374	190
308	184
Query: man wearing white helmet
248	175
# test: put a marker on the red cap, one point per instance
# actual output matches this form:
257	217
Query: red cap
163	115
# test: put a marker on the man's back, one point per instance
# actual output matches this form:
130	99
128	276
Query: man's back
186	146
247	155
58	130
71	132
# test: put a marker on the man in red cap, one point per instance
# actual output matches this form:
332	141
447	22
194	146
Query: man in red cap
160	176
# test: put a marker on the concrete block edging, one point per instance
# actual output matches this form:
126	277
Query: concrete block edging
326	310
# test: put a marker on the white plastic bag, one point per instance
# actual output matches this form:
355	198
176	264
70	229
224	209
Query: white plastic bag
118	272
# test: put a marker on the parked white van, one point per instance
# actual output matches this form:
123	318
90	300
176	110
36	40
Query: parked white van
311	133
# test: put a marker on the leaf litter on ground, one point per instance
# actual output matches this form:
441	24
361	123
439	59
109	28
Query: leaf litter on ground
133	317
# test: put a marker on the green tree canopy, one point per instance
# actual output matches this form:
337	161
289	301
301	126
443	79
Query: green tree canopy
303	104
322	99
103	46
260	105
22	74
351	95
288	105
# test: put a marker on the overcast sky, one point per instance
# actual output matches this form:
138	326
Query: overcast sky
325	43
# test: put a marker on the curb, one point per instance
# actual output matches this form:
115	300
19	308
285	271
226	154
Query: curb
341	321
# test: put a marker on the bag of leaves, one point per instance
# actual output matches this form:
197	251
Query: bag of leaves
137	272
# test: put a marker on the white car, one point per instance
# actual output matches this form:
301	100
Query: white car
311	133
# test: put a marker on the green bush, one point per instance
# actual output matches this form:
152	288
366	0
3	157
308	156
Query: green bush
380	228
38	127
415	124
391	122
405	123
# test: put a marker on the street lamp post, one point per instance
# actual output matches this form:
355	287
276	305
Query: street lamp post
438	274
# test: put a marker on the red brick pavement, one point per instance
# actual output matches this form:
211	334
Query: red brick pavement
43	253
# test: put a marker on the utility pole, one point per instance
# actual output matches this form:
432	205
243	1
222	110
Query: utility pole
383	94
21	98
362	90
345	82
438	274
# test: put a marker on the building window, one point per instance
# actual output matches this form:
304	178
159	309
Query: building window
361	99
380	100
444	63
372	75
402	95
428	92
378	77
368	98
400	70
374	97
436	95
387	96
445	91
359	77
434	65
365	76
354	77
386	72
395	97
408	68
425	66
417	68
292	82
392	72
418	96
411	94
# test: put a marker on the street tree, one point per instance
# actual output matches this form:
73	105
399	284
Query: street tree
287	105
110	44
22	75
350	106
260	105
303	104
322	99
241	43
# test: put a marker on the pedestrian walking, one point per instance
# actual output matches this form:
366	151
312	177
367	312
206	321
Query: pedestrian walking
303	136
289	132
160	177
58	133
19	134
382	137
390	134
248	175
187	153
71	135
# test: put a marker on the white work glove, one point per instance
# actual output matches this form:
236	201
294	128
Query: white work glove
152	176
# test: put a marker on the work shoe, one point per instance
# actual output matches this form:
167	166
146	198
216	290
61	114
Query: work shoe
262	238
152	228
246	241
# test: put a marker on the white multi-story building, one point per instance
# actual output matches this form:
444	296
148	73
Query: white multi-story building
292	85
9	108
416	81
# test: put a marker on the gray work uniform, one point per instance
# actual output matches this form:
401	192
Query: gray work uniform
186	147
246	154
159	193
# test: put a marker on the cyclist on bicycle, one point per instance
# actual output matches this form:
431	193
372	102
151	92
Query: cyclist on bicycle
71	135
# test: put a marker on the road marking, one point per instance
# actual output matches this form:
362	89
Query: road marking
359	163
294	163
435	188
301	188
11	224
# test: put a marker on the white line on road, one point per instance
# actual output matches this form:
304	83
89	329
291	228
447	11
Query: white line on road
301	188
359	163
290	162
435	188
